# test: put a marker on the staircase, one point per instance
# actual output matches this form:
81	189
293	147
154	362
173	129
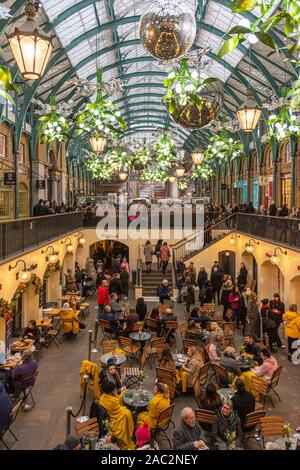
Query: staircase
152	280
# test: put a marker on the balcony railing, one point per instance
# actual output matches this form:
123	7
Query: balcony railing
23	234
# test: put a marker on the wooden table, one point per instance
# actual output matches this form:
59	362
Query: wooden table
26	346
53	312
46	323
71	297
8	365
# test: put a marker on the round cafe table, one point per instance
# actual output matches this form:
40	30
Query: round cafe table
246	363
225	393
180	359
140	337
119	358
137	398
282	440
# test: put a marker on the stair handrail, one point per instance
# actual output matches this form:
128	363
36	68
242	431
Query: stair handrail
139	272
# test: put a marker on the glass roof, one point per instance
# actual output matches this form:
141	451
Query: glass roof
105	33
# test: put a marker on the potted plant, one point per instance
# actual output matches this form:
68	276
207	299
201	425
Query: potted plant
231	439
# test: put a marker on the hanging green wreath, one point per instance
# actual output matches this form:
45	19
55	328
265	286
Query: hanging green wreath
118	159
98	168
222	147
203	171
6	309
165	151
23	286
143	156
50	268
54	126
155	175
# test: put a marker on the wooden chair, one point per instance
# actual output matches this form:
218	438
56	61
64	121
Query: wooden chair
209	308
171	328
155	350
182	327
163	423
229	331
204	373
205	419
165	374
109	345
264	388
54	334
221	375
151	325
197	390
25	390
188	343
274	382
252	425
106	329
91	425
271	426
14	413
129	347
132	375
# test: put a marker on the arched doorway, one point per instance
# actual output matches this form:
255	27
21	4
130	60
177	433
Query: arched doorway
227	262
23	200
251	265
295	291
107	251
271	280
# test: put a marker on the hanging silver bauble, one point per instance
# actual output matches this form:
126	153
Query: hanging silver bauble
168	29
190	117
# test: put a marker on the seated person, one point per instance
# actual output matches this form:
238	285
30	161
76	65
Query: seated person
214	349
204	319
252	349
33	332
141	308
115	306
71	322
229	362
216	331
194	364
188	434
210	399
168	362
227	421
26	369
243	401
120	418
144	440
194	315
131	320
168	315
159	402
71	443
110	374
109	316
5	409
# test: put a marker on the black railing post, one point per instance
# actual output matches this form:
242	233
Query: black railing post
94	341
69	415
90	344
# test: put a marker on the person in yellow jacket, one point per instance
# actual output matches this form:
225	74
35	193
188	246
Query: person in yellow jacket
92	370
292	328
159	402
70	318
120	418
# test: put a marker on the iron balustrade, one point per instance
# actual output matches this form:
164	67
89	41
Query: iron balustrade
23	234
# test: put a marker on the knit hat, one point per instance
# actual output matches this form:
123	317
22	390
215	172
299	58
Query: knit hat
72	441
111	362
143	435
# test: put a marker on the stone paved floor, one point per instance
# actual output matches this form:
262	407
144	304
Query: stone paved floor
58	386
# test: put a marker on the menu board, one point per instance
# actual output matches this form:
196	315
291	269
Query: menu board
8	333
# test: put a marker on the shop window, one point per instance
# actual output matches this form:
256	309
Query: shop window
23	200
6	198
2	145
286	192
22	154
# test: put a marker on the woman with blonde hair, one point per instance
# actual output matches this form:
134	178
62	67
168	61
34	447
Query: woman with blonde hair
195	362
159	402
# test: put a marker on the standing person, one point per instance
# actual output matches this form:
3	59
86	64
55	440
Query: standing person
276	313
253	316
180	266
292	328
165	256
141	308
103	298
180	285
157	253
202	279
234	300
244	308
191	273
189	298
272	209
124	276
163	291
226	291
242	277
116	286
148	252
216	280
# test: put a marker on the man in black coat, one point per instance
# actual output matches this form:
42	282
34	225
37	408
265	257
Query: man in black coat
116	285
37	208
216	280
243	401
202	278
188	434
226	421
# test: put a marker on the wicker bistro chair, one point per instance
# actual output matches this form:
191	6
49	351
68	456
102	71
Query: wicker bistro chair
252	425
271	426
165	374
197	390
131	376
91	425
131	348
209	308
264	389
171	328
188	343
25	390
221	375
54	334
155	350
108	345
106	329
14	413
205	419
182	327
151	325
163	423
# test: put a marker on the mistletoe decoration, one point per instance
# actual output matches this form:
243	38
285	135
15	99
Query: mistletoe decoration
118	159
100	118
6	84
98	168
165	151
155	175
6	309
143	156
223	147
203	171
183	88
281	126
182	184
23	286
54	126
